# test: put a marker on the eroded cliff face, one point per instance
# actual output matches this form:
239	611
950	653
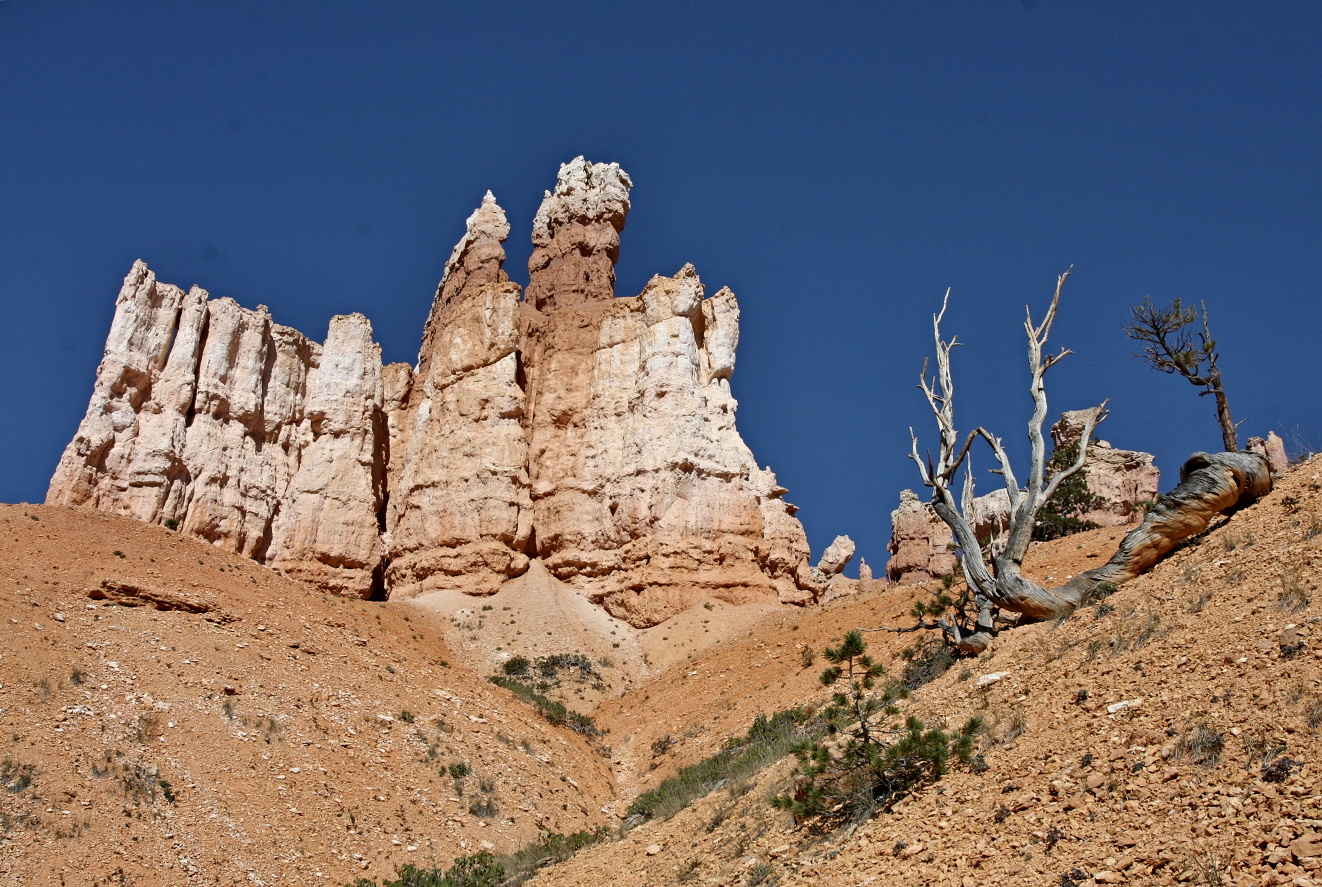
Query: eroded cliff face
644	495
596	433
209	417
1122	479
460	513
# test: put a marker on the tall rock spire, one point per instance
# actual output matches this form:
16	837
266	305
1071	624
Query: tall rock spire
459	511
644	495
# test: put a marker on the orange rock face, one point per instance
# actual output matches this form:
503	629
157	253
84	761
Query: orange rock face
1122	478
644	495
596	433
242	432
460	515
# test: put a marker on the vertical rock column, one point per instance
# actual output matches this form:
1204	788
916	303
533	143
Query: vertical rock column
127	455
459	514
327	532
644	495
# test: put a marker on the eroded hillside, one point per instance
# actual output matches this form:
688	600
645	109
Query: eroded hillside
174	714
1166	734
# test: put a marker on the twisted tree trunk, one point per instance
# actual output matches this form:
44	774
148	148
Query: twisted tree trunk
1210	484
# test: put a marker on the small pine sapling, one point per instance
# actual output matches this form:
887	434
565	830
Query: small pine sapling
865	760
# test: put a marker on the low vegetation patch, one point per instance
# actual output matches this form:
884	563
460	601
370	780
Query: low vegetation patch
861	761
555	712
767	740
487	870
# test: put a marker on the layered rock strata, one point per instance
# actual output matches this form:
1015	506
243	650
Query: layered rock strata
644	495
1122	479
460	515
209	417
593	432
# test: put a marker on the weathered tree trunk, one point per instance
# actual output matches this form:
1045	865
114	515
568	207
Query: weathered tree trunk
1210	484
1229	432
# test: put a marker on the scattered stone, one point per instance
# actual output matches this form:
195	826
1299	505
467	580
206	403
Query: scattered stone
1306	845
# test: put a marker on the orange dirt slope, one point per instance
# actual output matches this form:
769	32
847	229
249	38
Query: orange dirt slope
173	714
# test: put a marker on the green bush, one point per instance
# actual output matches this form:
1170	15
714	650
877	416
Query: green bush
555	712
925	663
515	666
864	762
1060	514
479	870
523	863
767	740
485	870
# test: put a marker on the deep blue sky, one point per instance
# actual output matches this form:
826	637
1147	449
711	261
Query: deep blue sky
837	165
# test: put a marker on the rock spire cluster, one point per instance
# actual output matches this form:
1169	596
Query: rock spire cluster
593	432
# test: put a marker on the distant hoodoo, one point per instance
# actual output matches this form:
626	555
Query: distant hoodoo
593	432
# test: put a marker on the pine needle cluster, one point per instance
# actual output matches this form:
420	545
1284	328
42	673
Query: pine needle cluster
866	760
1061	514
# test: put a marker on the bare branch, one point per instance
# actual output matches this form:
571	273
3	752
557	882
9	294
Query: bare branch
1096	416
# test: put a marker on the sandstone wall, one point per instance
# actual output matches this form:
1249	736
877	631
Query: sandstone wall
200	416
596	433
460	513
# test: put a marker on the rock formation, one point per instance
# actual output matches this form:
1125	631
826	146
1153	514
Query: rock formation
1273	449
460	515
836	557
864	571
644	495
210	417
596	433
327	531
922	546
1121	478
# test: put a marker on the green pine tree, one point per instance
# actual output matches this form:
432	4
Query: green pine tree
1060	515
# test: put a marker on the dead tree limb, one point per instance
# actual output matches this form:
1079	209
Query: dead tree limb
1210	484
998	584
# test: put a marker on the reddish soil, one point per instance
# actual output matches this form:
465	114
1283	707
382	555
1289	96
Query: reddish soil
277	717
305	739
1095	768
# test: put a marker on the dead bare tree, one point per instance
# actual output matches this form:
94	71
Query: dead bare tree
1211	484
998	584
1167	346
